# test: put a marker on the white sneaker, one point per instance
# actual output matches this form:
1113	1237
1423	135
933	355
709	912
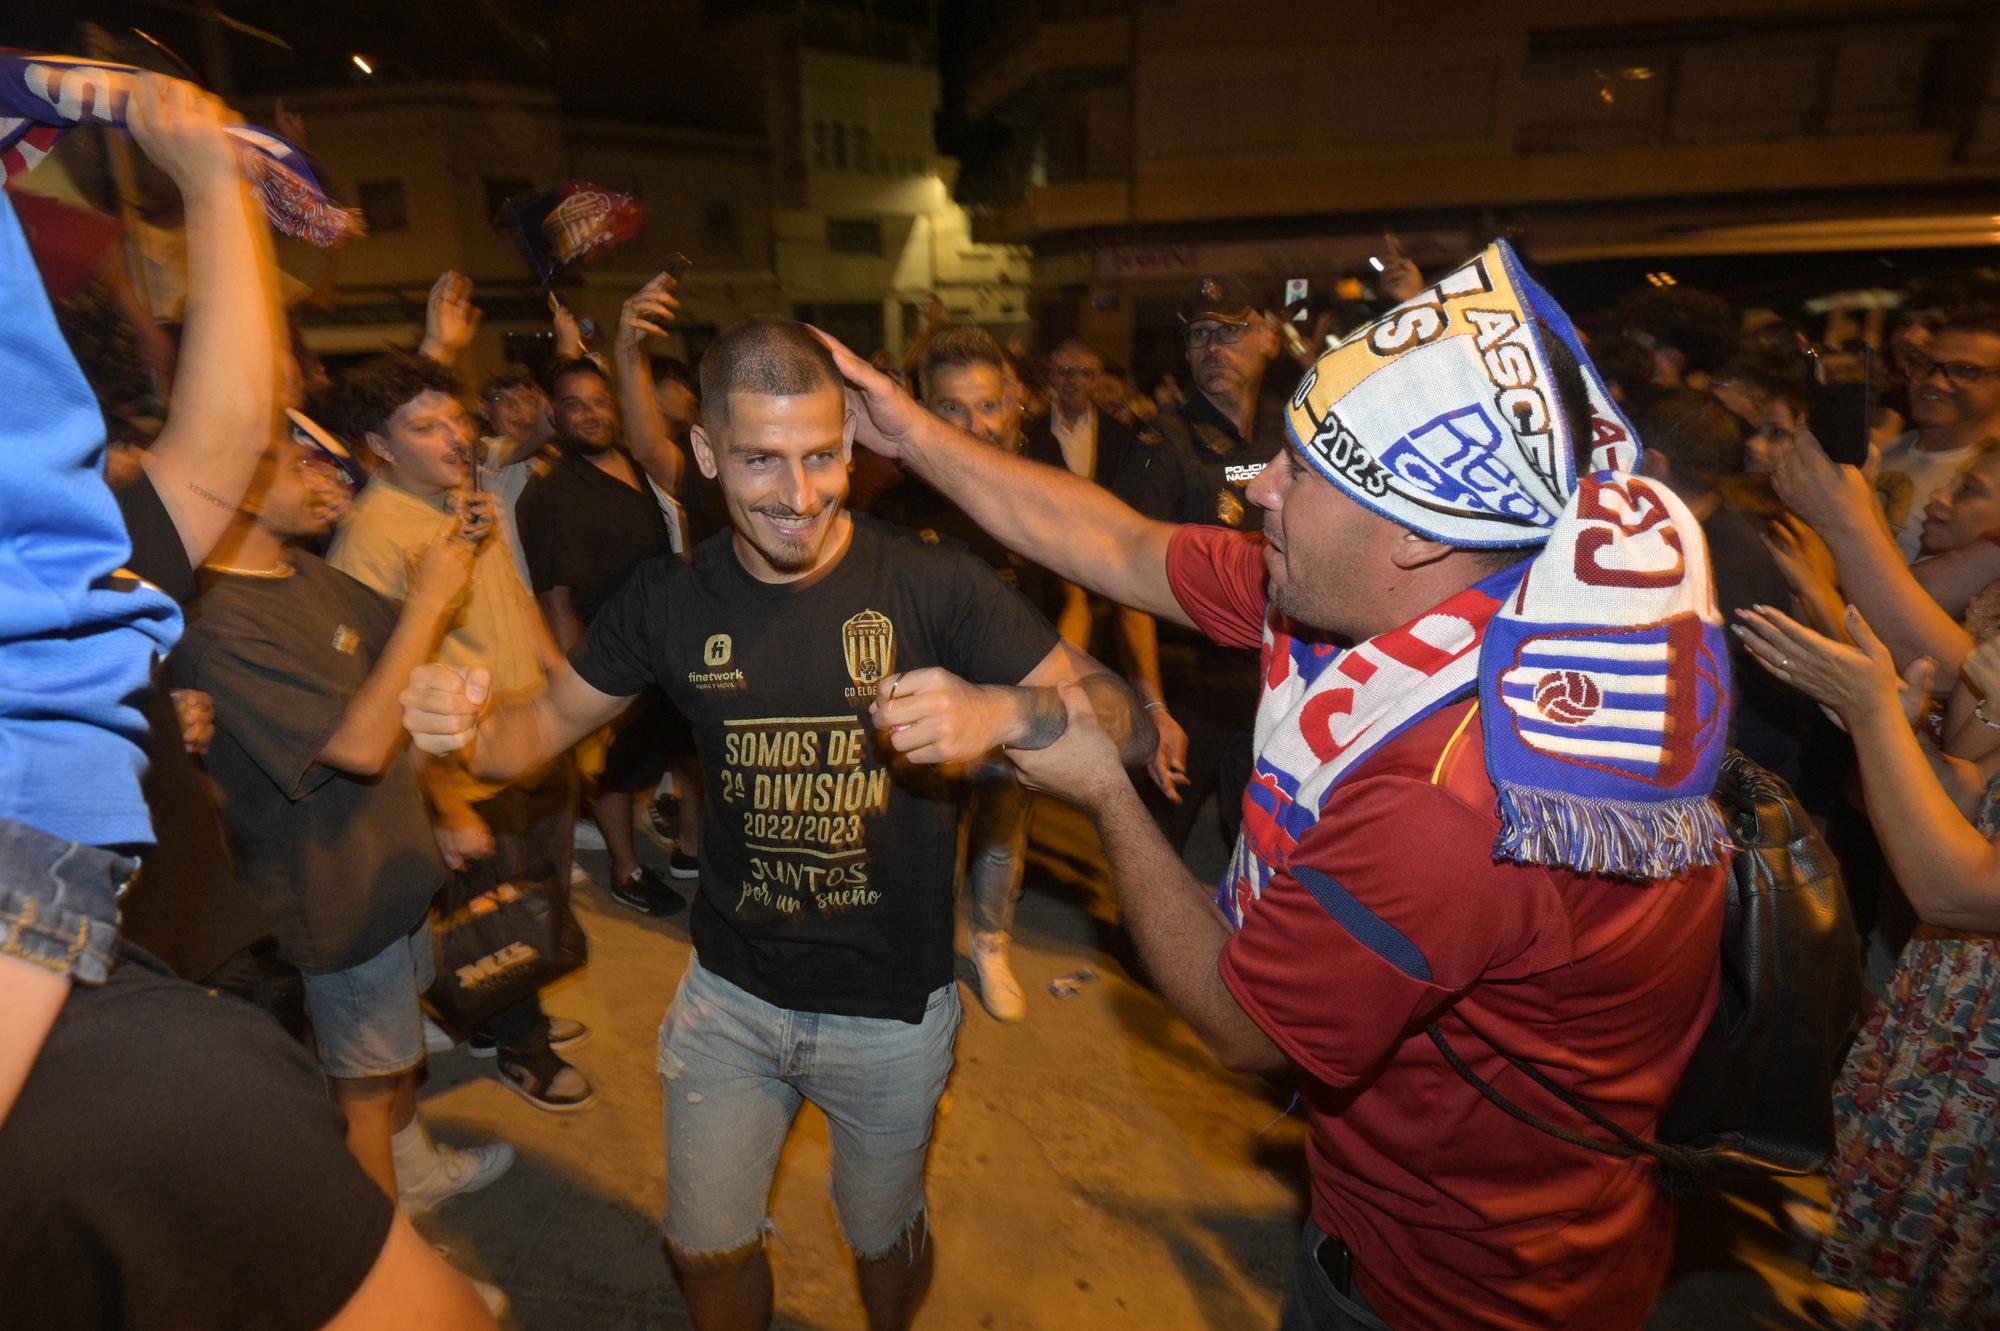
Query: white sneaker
456	1171
999	991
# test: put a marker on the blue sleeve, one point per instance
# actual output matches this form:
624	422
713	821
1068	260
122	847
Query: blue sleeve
78	634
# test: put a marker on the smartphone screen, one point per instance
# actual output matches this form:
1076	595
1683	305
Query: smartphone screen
1840	400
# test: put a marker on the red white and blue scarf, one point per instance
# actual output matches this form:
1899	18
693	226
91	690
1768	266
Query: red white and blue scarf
43	97
1600	664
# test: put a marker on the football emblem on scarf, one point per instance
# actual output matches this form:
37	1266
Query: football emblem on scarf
1568	697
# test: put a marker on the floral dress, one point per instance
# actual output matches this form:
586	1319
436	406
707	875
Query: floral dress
1916	1169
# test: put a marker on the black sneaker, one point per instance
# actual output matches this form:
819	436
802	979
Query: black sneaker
664	817
683	866
645	893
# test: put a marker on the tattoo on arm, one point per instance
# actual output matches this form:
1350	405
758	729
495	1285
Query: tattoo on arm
211	497
1046	718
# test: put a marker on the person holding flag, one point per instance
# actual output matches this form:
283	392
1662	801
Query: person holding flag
1494	701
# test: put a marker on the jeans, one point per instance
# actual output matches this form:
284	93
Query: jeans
734	1071
1314	1304
996	848
59	902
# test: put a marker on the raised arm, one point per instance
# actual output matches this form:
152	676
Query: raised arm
1068	525
451	320
646	314
225	387
371	732
445	709
1840	505
1950	872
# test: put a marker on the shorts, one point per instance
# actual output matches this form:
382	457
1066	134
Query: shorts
734	1070
366	1018
643	739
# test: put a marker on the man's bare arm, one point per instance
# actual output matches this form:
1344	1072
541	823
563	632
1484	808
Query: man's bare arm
1067	524
933	716
225	387
446	710
645	315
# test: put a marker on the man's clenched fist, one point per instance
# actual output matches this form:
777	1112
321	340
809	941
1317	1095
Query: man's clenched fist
443	704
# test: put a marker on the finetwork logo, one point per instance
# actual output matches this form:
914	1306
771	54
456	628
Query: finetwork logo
715	654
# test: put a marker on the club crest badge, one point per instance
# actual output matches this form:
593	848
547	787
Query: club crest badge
868	642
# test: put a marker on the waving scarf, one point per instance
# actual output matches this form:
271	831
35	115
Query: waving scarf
43	97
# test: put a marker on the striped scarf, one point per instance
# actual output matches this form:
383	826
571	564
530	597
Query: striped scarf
43	97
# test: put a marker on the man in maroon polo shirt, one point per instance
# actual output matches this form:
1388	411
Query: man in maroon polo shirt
1399	865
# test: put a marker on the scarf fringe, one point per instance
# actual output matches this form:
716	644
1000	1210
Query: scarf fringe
1621	838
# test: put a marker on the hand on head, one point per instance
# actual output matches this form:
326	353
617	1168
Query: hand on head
887	418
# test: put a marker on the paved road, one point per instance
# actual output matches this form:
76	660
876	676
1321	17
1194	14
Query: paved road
1092	1169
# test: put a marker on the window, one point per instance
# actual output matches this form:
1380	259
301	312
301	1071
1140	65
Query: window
863	143
382	205
854	235
840	147
822	143
499	189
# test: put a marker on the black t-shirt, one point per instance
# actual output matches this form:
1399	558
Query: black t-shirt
174	1162
584	529
935	520
345	865
187	906
826	871
1194	466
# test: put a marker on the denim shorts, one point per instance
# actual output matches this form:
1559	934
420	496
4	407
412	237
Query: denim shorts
734	1070
366	1018
59	902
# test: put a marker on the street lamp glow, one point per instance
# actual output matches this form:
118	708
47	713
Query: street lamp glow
361	63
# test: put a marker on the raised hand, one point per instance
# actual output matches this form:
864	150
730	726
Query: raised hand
443	570
1829	496
183	131
451	320
569	333
1850	680
443	704
1808	568
647	312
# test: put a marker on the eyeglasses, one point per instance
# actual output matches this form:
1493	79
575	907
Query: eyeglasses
1204	334
1959	373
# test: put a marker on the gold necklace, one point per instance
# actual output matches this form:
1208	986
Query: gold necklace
283	569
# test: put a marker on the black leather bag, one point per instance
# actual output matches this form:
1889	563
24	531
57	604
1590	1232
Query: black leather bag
1756	1097
497	941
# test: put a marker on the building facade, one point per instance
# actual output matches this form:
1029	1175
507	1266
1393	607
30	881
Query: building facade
1137	143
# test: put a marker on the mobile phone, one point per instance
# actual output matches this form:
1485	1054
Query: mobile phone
1840	402
678	264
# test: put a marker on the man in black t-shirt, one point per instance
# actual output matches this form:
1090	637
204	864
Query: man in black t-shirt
1195	465
827	666
584	527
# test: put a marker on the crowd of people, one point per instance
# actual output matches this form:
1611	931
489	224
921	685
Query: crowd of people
1450	618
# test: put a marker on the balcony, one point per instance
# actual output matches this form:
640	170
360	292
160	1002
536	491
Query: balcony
1049	38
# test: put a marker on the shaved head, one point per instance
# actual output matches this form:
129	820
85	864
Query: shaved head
765	355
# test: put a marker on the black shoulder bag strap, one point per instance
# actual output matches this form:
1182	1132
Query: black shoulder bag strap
1682	1170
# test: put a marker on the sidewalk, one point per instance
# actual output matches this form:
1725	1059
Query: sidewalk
1092	1170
